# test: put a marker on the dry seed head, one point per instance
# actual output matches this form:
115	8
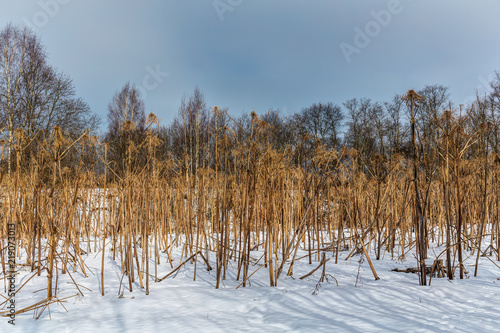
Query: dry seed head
487	127
45	155
447	120
152	119
91	140
155	141
94	140
320	150
262	124
447	115
378	158
397	158
411	95
333	154
497	159
128	126
66	170
58	137
19	134
86	138
131	147
254	116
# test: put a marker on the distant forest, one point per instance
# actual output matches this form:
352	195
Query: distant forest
41	114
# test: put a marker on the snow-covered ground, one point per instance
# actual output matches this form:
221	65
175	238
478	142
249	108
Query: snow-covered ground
395	303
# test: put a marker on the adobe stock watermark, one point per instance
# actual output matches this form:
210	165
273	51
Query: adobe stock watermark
364	36
223	6
11	307
152	80
48	10
484	88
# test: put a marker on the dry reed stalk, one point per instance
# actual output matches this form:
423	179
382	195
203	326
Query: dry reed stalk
250	197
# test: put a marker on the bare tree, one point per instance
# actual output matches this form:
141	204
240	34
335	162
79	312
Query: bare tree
34	97
190	130
323	121
14	47
126	127
126	106
360	133
435	99
493	104
397	132
278	132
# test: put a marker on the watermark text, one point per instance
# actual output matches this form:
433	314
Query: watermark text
223	6
48	10
152	80
363	36
12	273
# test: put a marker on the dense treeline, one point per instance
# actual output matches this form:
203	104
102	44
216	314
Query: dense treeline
35	98
372	129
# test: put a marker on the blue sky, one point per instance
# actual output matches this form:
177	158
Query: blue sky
260	54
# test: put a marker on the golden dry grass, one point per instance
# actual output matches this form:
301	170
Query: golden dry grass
253	197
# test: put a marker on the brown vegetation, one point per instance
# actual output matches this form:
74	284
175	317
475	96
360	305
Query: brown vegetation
251	196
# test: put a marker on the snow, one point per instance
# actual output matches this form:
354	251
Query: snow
395	303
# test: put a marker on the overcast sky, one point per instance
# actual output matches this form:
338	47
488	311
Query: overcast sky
260	54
